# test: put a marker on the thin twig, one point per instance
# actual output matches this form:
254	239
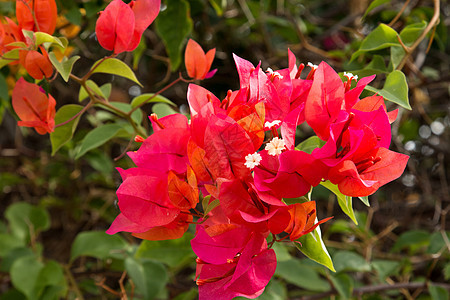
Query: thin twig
399	13
430	26
379	288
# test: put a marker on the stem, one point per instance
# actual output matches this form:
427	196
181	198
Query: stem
430	26
73	283
32	14
399	13
180	78
76	115
88	74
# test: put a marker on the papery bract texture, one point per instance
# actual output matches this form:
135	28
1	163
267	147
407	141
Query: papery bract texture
33	107
37	15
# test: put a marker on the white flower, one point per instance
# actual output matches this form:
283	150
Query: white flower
350	76
252	160
274	74
312	66
269	125
275	146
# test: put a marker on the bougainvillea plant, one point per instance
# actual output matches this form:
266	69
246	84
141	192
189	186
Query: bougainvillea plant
233	170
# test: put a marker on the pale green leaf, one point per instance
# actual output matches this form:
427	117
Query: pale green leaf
395	89
350	261
313	247
25	276
65	66
162	110
301	275
61	135
381	37
173	25
25	219
83	94
97	137
374	4
115	66
343	284
97	244
345	202
438	292
148	276
171	252
42	37
150	98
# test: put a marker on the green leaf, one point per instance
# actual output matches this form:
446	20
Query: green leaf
148	276
104	91
218	6
395	89
301	275
313	247
173	25
310	144
365	200
211	206
150	98
345	202
138	53
97	244
385	268
381	37
9	57
171	252
438	292
374	4
447	271
162	110
36	280
343	284
411	33
115	66
350	261
65	66
437	242
9	242
275	290
413	239
136	116
3	91
25	219
42	37
25	275
64	133
97	137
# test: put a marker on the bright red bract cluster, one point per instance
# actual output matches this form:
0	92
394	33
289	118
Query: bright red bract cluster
240	154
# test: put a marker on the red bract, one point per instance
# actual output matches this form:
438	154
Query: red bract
197	62
34	107
303	216
363	175
325	100
242	267
120	26
9	33
37	15
37	65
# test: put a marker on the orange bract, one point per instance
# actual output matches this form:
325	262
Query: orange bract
197	62
45	13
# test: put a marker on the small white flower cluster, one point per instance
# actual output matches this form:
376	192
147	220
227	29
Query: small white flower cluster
274	74
275	146
252	160
350	76
269	125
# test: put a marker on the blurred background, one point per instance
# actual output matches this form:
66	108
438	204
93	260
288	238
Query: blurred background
55	209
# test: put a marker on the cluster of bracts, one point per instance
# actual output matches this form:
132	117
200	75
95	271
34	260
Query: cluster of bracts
239	156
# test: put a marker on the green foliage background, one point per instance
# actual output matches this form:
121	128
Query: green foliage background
57	198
